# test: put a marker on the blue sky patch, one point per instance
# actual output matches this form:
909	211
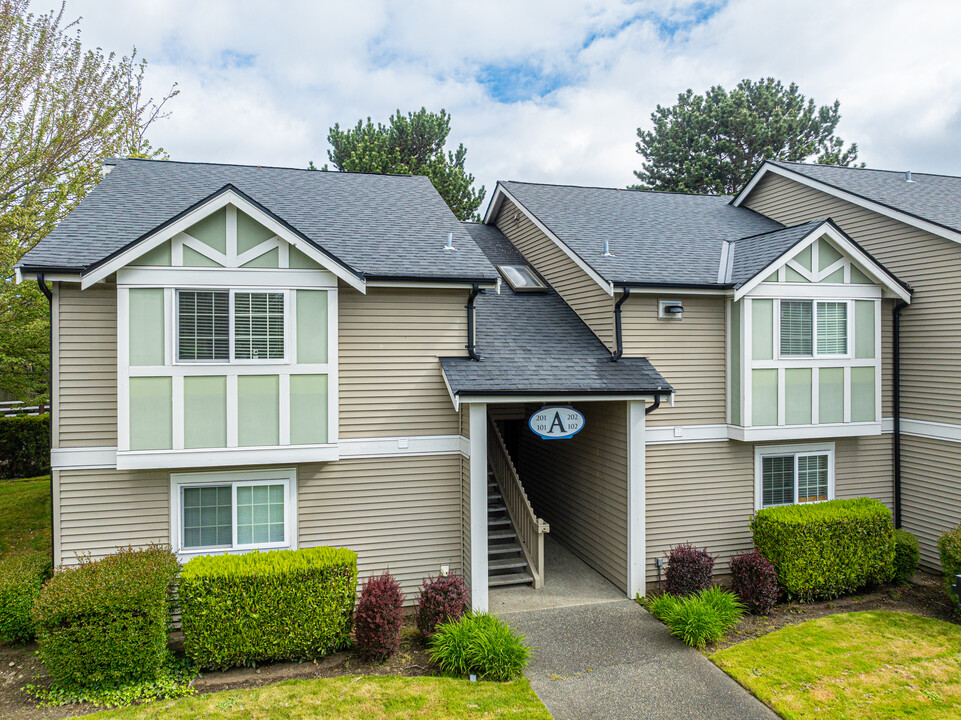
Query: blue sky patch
514	82
235	59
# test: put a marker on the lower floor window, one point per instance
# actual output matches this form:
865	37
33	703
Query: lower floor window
219	512
795	477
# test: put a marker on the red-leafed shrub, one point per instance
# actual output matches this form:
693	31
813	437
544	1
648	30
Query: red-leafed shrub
378	617
442	599
688	571
754	579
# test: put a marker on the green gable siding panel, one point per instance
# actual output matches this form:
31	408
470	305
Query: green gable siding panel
772	277
797	396
803	258
836	277
297	259
762	329
827	254
308	409
311	326
212	230
269	259
792	275
736	363
764	397
205	412
159	256
831	395
151	414
250	233
864	340
859	278
258	410
192	258
146	326
862	394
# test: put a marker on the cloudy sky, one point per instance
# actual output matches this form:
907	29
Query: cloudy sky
546	90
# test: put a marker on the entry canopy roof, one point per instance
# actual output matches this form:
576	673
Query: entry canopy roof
533	344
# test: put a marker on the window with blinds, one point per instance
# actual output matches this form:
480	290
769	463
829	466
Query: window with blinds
832	328
812	478
203	326
797	328
794	478
258	326
777	479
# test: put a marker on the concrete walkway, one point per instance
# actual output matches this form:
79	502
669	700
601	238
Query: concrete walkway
614	660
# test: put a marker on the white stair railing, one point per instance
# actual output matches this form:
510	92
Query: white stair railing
530	529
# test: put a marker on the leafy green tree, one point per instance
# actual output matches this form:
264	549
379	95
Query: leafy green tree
63	111
411	144
712	143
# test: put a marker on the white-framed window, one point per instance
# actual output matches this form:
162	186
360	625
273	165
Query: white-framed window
790	474
223	326
233	511
813	328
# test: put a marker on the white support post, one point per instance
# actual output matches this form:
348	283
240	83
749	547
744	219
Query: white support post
478	505
636	510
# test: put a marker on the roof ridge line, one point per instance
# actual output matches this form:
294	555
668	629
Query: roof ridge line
115	161
819	221
616	189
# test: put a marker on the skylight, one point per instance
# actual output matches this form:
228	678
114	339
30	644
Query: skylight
522	278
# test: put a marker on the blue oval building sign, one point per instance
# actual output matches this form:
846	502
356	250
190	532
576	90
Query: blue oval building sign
556	423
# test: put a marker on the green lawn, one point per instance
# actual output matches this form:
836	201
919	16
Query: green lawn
351	698
867	665
25	515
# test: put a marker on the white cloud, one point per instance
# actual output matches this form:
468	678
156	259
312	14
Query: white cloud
262	82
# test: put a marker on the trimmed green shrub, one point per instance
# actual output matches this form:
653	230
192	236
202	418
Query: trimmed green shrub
827	549
105	623
907	555
266	606
479	644
21	579
24	446
949	548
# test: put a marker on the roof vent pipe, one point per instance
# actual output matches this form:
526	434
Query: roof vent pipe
607	248
450	242
907	176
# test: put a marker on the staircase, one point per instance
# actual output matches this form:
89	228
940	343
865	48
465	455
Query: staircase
506	563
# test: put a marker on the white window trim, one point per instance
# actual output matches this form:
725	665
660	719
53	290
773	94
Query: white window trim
762	451
289	318
849	310
238	478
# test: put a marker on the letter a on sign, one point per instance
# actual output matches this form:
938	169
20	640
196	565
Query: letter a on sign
556	423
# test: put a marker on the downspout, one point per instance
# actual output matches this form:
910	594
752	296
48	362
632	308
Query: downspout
896	390
45	289
618	337
471	347
653	406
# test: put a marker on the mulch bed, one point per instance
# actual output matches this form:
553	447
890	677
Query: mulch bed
20	666
924	595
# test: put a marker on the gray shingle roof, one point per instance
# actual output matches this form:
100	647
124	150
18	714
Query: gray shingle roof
935	198
534	343
753	254
655	237
377	225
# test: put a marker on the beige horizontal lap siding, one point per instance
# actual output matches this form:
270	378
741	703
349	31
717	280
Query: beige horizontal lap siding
390	377
699	493
579	486
588	299
930	353
101	510
86	369
400	514
690	354
864	467
930	491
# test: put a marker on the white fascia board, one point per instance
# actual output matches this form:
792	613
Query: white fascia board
605	285
428	285
664	291
228	197
903	217
548	398
497	199
846	247
803	432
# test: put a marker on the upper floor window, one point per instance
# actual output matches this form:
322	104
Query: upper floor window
813	328
223	325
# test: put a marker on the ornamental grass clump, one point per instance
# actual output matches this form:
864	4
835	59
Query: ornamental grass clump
754	580
104	624
267	606
700	619
379	617
689	570
827	549
479	644
21	579
442	599
907	555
